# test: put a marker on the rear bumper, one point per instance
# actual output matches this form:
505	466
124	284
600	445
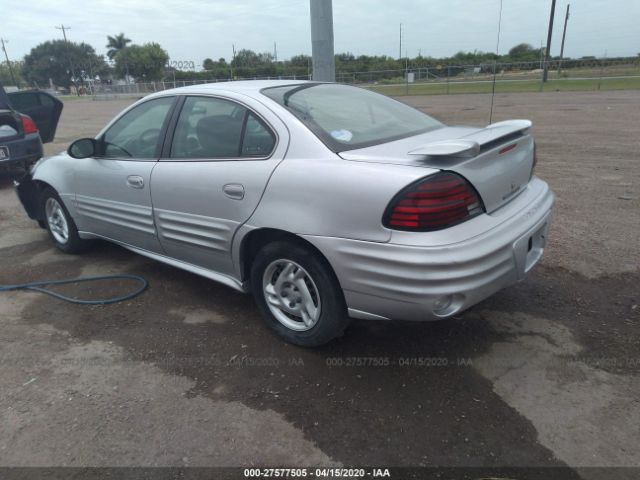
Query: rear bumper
438	279
23	152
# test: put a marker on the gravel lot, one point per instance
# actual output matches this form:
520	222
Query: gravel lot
543	374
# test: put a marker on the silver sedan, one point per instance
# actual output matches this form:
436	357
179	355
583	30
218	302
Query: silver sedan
325	201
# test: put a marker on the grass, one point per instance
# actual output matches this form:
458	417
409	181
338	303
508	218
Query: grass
66	98
569	85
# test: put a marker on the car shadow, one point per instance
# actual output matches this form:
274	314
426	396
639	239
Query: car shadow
386	393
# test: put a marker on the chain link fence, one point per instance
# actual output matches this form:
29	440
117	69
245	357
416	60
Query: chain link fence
584	74
140	89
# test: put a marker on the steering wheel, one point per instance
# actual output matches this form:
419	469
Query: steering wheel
143	143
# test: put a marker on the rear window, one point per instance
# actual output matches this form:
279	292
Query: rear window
346	118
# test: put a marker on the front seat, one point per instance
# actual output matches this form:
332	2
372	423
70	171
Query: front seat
219	136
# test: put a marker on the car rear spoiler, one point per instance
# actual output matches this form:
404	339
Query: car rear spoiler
471	145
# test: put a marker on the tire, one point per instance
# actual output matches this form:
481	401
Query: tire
61	227
280	271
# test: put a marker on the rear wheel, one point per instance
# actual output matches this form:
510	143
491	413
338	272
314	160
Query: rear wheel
298	294
61	227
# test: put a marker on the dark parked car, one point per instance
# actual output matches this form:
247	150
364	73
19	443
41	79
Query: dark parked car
27	120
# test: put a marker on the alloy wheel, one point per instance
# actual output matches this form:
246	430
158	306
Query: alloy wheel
57	221
291	295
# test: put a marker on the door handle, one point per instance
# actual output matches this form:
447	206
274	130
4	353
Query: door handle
234	190
135	181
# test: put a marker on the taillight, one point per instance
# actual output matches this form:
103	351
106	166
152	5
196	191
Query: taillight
28	125
433	203
535	160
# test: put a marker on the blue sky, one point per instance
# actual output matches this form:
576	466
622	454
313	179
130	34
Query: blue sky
195	29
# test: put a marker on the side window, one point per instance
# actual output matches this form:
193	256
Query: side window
24	100
45	100
258	140
215	128
208	128
136	134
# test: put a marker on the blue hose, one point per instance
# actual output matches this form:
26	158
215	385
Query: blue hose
38	287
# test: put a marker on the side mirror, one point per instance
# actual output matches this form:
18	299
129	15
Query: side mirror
83	148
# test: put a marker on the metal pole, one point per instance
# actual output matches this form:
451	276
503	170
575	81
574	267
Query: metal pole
400	50
233	48
564	34
545	72
66	44
324	64
448	75
4	49
602	60
406	73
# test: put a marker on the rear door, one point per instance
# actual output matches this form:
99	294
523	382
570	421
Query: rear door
212	176
43	108
113	198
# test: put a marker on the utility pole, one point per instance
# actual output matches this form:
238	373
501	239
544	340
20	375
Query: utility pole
406	71
564	34
545	72
66	43
400	49
324	63
64	31
6	55
233	48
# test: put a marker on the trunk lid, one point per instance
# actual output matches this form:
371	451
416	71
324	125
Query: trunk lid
496	160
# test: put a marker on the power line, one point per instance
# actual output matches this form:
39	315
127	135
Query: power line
493	87
4	49
564	34
64	31
545	72
66	44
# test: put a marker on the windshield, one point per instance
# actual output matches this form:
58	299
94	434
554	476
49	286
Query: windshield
346	118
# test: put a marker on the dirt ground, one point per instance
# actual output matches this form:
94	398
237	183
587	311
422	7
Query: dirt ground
545	373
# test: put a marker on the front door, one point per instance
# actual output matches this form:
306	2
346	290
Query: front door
113	198
212	177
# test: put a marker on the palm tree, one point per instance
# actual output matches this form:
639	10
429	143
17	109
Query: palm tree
116	44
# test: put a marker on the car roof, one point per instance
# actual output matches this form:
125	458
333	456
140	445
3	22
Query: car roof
250	87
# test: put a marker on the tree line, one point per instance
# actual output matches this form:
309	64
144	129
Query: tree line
65	63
